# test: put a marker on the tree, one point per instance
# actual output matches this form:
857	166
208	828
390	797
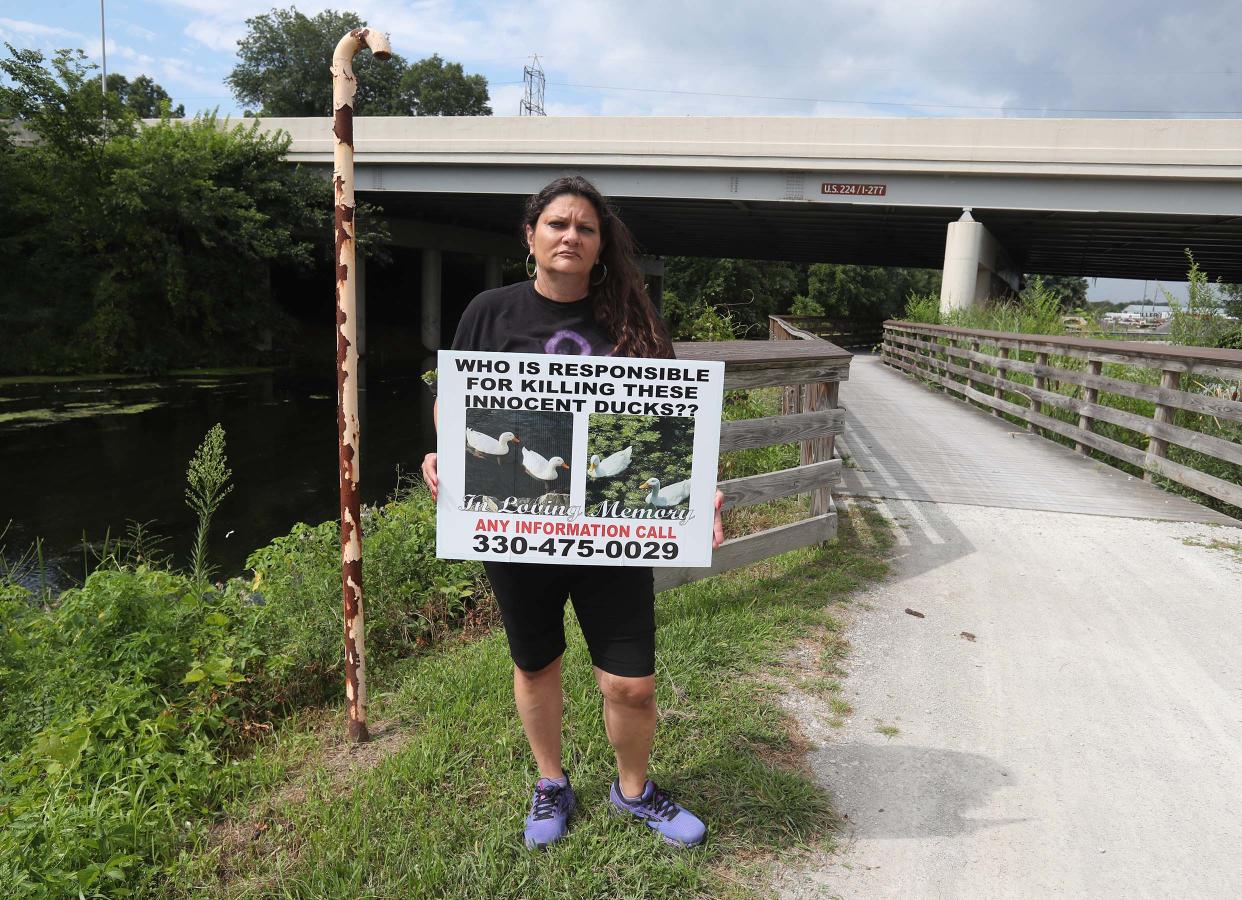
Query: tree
865	294
142	96
437	88
748	290
1231	299
135	247
1070	290
283	71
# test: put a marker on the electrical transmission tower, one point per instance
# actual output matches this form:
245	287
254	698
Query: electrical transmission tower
532	77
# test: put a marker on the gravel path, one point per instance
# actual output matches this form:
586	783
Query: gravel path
1086	743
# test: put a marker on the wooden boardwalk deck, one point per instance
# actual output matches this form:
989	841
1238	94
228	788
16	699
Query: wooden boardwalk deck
909	442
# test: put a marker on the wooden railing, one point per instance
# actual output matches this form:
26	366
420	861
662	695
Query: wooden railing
754	364
979	366
847	335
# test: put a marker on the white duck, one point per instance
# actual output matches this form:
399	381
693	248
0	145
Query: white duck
484	446
538	467
611	466
669	496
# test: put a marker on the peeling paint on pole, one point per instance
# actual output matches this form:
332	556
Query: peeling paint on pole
344	85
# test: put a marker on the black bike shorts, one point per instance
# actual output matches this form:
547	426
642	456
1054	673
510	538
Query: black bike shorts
615	606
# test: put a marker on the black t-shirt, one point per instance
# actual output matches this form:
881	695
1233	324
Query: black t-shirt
518	319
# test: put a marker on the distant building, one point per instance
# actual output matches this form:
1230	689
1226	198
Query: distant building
1148	310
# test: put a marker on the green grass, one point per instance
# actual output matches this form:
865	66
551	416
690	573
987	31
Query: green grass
441	815
1233	548
889	731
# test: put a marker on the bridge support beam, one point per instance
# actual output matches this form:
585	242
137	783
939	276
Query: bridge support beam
976	266
432	261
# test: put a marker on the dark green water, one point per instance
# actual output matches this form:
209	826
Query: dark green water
85	456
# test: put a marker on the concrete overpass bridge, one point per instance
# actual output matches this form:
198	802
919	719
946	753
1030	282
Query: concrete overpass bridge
986	199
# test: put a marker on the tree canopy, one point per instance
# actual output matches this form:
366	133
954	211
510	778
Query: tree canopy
138	247
283	71
142	96
698	291
1068	289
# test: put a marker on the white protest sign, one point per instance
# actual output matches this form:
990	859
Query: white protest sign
583	460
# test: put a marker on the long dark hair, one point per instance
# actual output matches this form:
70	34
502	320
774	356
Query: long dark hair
622	307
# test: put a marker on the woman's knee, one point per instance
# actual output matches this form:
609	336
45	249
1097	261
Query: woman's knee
633	692
552	671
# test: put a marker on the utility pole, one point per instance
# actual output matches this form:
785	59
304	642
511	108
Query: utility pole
103	50
532	77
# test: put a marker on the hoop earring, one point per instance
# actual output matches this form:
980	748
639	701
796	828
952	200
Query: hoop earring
603	277
531	268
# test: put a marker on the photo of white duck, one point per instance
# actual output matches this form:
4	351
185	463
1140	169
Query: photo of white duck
675	493
542	469
609	466
486	447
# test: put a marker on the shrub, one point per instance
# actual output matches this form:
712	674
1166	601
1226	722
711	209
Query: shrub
923	308
130	695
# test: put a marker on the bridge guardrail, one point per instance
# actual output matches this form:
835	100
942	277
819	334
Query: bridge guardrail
1029	376
816	369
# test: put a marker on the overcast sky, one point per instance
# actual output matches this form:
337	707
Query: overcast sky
714	57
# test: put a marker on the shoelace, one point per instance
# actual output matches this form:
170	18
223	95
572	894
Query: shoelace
662	804
547	800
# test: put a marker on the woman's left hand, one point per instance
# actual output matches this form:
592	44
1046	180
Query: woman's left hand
717	524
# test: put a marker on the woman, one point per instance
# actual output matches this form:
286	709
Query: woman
586	297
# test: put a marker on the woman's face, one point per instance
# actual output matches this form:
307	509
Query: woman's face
566	238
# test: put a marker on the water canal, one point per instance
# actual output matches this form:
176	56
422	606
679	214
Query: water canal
85	456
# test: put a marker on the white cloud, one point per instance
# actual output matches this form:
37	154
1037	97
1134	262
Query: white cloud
844	57
145	34
216	34
18	27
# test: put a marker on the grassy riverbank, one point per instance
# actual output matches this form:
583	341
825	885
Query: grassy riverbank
172	742
439	812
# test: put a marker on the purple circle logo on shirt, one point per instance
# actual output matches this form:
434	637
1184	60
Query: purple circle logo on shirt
575	340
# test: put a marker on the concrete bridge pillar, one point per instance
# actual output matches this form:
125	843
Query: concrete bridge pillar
432	267
976	266
491	273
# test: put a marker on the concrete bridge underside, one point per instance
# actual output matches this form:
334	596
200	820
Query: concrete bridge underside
986	199
1093	244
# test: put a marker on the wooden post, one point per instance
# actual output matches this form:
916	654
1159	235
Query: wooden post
998	391
819	397
1090	395
1041	359
791	395
973	366
1170	380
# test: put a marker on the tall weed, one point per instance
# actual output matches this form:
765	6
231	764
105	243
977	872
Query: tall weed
207	480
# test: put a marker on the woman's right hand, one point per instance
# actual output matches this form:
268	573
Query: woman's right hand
430	475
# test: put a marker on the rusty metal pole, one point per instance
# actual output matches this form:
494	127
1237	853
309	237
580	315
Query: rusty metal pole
344	86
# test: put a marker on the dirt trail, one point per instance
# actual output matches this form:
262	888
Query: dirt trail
1086	743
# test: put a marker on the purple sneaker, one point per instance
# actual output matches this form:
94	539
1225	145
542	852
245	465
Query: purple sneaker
674	823
550	809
